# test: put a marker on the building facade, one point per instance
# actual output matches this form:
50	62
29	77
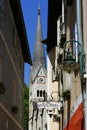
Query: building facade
67	21
14	51
38	83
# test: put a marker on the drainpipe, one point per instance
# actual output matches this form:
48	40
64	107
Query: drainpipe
48	88
78	18
83	84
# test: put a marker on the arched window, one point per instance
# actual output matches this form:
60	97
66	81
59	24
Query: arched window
37	93
40	93
44	93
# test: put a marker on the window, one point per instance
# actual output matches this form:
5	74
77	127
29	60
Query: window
44	94
40	93
37	93
55	74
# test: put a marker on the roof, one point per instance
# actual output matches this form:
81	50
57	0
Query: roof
39	54
54	11
19	22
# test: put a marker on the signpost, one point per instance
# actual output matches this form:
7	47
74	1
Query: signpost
48	105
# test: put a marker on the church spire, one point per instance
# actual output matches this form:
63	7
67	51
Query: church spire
39	55
39	8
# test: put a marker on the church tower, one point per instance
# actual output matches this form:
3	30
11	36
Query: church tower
39	56
37	87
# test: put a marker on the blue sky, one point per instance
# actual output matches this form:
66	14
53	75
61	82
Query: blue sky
29	8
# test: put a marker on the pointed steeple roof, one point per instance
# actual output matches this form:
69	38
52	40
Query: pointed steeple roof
39	50
39	55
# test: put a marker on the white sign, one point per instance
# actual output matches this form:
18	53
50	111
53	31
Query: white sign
48	105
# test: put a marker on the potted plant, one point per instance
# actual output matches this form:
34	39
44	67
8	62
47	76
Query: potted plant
62	40
2	88
56	118
15	109
66	94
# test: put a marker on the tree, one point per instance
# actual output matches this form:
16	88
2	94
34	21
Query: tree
26	106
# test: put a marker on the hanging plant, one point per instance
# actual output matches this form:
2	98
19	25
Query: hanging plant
66	94
56	118
2	88
15	109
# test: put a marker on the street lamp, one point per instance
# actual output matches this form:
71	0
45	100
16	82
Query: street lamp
69	64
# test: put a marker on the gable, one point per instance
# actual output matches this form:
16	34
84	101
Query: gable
41	72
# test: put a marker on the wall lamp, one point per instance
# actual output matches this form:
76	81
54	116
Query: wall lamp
69	64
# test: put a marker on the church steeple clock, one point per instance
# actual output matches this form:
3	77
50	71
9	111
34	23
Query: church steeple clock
39	55
37	87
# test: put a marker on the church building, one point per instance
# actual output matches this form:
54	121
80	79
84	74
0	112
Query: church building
37	86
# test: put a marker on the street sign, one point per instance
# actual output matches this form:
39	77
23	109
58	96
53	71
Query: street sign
48	105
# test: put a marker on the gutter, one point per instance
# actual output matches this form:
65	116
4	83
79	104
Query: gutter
20	25
83	81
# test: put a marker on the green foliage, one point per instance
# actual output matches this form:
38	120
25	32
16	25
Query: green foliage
26	106
66	94
57	118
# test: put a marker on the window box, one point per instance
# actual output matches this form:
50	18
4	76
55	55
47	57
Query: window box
2	88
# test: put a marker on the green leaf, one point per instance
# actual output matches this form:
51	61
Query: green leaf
26	106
